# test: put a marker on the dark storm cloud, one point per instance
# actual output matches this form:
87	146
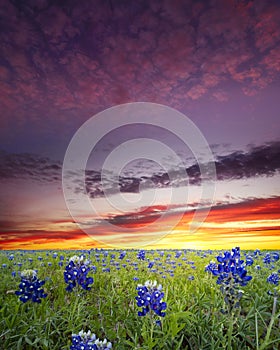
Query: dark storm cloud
29	166
70	61
261	160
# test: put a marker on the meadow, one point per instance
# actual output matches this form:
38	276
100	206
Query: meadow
190	311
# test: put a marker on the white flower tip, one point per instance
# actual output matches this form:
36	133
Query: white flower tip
28	273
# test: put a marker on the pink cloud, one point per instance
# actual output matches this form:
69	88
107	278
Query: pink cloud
78	60
221	96
196	92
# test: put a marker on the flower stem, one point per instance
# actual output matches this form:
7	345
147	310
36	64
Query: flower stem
269	328
229	332
257	331
152	326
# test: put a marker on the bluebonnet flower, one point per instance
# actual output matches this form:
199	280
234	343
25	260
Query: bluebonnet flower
178	254
231	274
267	259
275	256
87	341
141	255
273	278
211	267
149	298
256	252
249	260
30	287
122	255
76	273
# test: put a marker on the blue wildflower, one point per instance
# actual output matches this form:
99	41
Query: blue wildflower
30	287
273	278
231	274
149	298
212	268
87	341
267	259
275	256
122	255
178	254
141	255
76	274
249	260
257	252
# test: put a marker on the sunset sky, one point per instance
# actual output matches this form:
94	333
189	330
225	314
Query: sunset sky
214	62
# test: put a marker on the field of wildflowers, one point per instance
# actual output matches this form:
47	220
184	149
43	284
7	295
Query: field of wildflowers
139	299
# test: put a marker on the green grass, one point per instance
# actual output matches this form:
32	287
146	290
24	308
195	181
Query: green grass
193	317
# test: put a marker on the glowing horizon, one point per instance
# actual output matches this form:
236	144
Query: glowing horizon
250	225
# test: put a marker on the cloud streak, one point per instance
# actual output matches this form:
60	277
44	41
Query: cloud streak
263	160
252	222
29	166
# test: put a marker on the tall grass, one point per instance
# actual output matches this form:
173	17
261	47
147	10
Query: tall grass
194	302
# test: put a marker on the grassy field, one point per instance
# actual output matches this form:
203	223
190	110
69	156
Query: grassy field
197	316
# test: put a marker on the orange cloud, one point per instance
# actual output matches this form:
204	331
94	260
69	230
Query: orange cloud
251	224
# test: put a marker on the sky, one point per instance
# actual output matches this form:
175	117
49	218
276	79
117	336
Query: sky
145	124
